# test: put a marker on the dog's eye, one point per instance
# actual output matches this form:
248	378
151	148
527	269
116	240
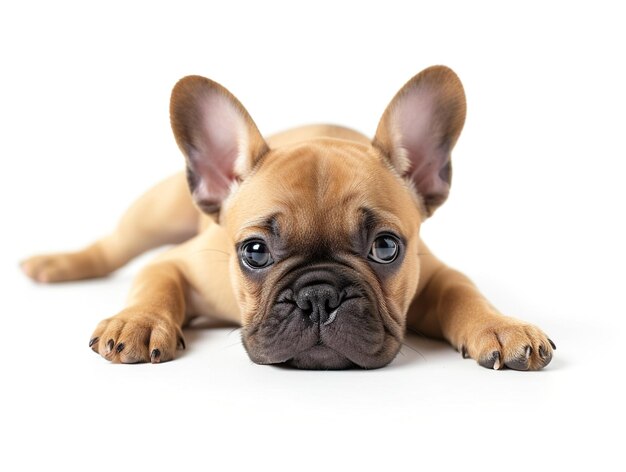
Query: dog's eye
256	255
384	249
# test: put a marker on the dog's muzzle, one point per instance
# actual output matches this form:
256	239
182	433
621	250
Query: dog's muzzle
322	318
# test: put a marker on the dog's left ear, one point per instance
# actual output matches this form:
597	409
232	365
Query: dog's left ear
220	141
420	127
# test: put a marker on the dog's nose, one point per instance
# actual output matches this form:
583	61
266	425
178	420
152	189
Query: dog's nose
319	302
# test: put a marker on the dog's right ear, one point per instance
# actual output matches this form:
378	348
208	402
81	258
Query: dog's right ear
220	141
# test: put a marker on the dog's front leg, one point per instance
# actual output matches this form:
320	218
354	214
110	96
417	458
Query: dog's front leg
450	306
149	329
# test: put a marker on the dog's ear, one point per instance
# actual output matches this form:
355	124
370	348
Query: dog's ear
220	141
420	127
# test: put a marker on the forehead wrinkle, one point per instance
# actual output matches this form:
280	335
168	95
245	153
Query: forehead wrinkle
265	224
377	217
382	217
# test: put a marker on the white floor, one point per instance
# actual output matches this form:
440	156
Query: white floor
535	217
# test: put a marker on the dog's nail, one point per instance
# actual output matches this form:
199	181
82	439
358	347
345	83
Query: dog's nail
496	363
93	341
552	344
155	356
110	344
528	352
464	352
119	348
181	343
542	352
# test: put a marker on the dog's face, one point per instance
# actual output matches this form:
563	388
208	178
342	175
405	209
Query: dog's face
326	265
325	232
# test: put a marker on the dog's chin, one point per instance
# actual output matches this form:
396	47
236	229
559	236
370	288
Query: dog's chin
320	358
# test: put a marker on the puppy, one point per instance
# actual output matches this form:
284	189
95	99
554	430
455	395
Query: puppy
308	239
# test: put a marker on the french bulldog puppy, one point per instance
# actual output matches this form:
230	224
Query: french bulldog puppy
308	239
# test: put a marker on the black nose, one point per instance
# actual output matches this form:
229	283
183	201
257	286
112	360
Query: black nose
319	302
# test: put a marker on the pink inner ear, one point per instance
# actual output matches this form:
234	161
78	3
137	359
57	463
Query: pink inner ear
413	119
418	138
217	143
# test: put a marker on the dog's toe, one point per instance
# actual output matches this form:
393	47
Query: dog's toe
521	361
492	361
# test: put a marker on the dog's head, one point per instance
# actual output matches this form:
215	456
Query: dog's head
324	232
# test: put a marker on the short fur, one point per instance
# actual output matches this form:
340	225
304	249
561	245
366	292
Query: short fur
317	198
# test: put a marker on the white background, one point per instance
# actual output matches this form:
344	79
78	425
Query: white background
534	217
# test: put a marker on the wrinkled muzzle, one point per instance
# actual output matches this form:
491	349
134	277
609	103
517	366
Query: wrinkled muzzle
325	318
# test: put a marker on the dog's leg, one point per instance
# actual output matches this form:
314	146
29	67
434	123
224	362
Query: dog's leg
163	215
450	306
191	279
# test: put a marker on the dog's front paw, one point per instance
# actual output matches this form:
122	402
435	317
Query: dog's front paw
509	343
137	335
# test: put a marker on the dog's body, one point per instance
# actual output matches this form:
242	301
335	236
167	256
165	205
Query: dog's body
309	240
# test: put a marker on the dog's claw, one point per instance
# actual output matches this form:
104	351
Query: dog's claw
93	341
181	343
110	344
552	344
155	356
497	364
119	348
464	353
